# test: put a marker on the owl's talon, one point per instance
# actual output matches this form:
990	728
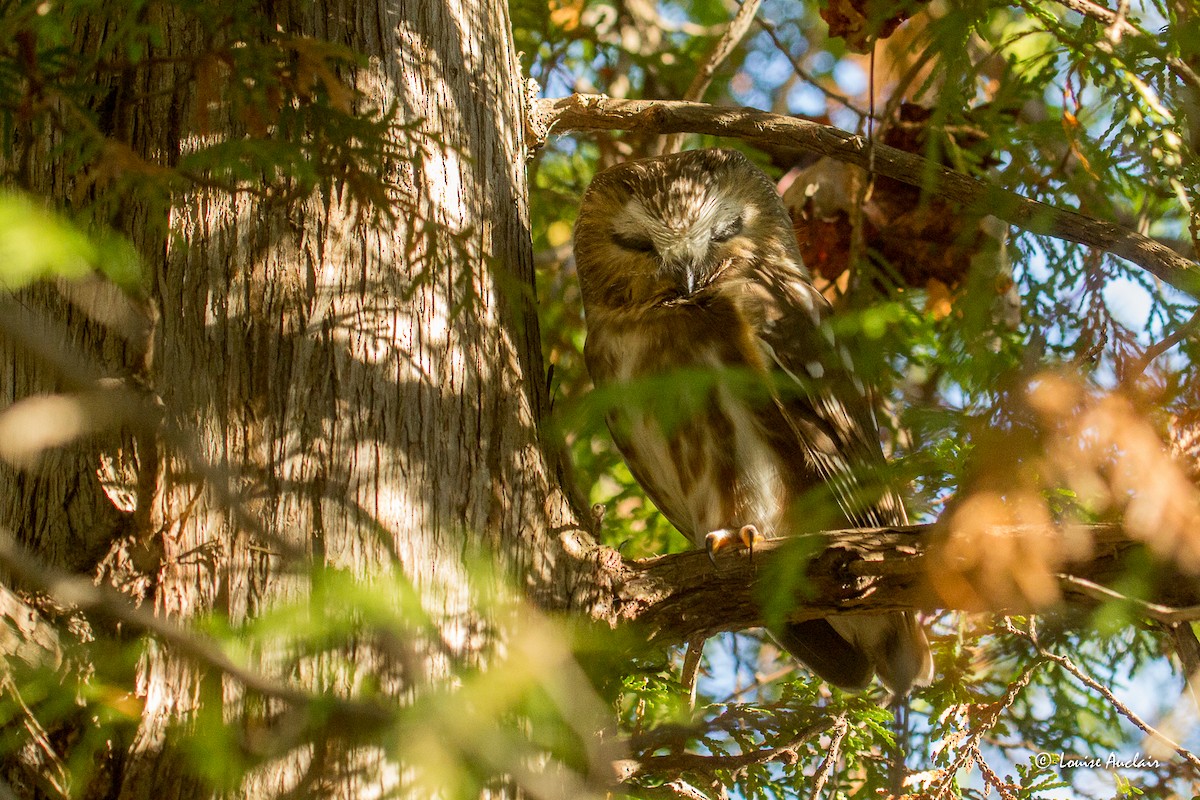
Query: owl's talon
749	535
718	540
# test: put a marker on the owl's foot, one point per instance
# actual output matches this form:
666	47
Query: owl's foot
745	536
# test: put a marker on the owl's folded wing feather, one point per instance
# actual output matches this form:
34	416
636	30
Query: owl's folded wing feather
827	409
829	414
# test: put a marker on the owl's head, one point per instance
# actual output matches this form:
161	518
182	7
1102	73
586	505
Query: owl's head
670	230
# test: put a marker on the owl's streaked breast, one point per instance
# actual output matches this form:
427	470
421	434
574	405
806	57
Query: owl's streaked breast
686	450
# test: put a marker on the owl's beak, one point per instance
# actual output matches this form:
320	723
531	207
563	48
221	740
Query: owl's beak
689	281
686	265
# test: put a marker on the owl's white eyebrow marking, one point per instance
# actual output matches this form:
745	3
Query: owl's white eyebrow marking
635	217
699	213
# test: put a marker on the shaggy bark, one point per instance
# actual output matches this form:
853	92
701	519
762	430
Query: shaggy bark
334	394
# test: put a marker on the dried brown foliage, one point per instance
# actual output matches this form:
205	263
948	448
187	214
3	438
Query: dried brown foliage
860	22
927	240
1103	450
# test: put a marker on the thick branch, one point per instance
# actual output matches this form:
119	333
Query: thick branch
678	597
596	112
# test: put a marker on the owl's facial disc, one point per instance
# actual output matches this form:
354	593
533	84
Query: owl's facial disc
683	244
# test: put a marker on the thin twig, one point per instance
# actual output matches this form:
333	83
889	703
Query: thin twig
990	777
1187	648
983	722
707	765
1154	611
53	769
683	789
1114	30
761	681
840	728
1069	666
772	32
730	38
1155	350
732	35
691	668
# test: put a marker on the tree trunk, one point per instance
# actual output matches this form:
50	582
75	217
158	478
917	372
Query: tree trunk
340	393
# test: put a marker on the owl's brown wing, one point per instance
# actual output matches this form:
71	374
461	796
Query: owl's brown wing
650	468
831	425
829	417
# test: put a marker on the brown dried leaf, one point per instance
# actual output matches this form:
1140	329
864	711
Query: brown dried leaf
1099	446
938	298
313	69
923	238
860	22
566	14
997	553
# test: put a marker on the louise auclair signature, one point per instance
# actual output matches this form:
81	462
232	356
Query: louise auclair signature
1113	761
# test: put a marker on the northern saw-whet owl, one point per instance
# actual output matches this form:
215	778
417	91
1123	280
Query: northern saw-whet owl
689	262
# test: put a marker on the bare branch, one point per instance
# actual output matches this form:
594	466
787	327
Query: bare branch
674	789
840	728
981	723
729	40
709	764
1187	648
1158	348
599	113
691	668
732	35
1155	611
772	32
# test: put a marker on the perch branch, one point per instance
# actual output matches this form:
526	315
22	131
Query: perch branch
597	112
675	598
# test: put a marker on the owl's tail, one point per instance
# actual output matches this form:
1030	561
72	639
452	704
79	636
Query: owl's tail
847	651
